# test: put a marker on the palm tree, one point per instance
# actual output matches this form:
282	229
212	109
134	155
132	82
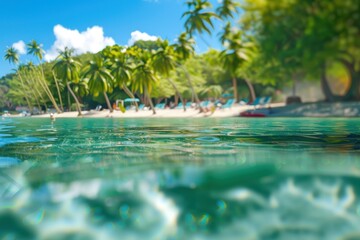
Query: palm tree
81	88
212	91
35	49
237	53
164	62
121	68
226	33
144	77
227	9
35	85
198	19
68	69
30	82
12	55
100	78
184	49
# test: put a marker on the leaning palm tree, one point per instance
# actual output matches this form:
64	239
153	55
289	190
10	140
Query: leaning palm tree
35	49
164	62
12	55
67	68
184	49
35	85
100	78
144	77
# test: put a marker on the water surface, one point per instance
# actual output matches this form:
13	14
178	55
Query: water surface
180	178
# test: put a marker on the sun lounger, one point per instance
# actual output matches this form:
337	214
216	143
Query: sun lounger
257	102
160	106
204	104
141	106
266	101
228	104
180	106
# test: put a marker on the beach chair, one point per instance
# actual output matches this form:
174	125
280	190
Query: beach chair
228	104
244	101
141	106
188	104
98	108
180	106
204	104
266	101
160	106
257	102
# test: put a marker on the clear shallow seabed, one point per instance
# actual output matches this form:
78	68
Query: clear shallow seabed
180	179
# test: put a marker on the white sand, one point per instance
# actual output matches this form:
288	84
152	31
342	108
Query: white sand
161	113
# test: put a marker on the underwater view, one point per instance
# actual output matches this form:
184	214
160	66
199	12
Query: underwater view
180	178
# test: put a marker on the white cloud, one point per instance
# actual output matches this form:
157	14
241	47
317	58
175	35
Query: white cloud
20	47
92	40
137	35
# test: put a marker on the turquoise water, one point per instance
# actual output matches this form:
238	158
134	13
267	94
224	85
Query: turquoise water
180	179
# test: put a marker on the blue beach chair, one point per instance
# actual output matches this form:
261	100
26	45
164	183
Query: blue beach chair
257	102
141	106
228	104
266	101
160	106
180	106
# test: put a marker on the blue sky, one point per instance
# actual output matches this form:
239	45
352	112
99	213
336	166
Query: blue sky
71	22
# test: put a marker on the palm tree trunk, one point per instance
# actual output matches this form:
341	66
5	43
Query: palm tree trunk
147	95
25	96
44	85
177	93
58	91
76	100
30	87
234	80
251	90
131	95
35	86
52	99
192	88
69	100
108	102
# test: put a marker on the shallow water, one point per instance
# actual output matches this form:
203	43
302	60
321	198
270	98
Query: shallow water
180	178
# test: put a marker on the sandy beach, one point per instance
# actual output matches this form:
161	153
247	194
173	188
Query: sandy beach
160	113
319	109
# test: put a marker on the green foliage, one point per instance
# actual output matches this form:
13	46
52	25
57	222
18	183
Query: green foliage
303	35
35	49
12	55
199	18
66	67
99	77
147	45
227	9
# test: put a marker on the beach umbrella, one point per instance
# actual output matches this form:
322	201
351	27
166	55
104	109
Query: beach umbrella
131	100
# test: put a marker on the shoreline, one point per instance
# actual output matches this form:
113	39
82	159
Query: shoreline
160	113
318	109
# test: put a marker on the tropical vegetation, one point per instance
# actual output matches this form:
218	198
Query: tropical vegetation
266	45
